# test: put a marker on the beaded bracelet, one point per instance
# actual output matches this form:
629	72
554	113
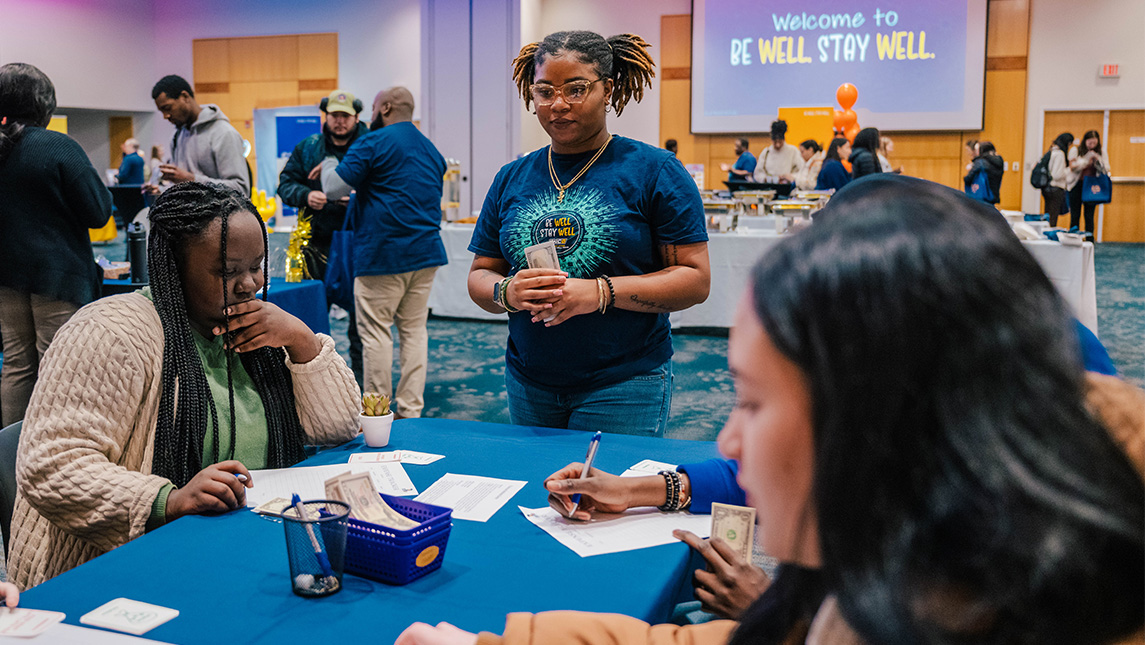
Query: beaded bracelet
503	292
672	488
611	292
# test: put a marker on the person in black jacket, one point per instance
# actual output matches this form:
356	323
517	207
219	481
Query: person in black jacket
864	153
50	195
300	186
989	160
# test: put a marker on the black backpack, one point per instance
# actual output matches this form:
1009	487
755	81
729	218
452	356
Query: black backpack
1040	175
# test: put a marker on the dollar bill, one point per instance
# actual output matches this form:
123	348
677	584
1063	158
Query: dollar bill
366	504
274	507
736	526
543	256
334	489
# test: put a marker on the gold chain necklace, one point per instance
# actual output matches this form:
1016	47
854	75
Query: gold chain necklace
557	182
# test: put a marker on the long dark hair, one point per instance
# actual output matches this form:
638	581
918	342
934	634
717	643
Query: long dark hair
621	58
833	149
963	490
180	214
1063	141
27	98
986	148
1089	134
811	145
867	139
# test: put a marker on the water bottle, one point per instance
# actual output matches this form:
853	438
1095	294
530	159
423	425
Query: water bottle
137	252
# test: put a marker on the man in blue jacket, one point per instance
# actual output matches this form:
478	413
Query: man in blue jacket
397	173
300	186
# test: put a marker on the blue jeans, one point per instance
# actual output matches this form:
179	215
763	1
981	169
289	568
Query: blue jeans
637	406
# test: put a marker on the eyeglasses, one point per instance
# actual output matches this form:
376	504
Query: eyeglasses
573	92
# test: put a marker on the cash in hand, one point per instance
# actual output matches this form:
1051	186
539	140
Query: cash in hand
736	526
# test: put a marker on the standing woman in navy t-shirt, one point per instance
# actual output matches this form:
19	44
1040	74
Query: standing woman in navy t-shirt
589	344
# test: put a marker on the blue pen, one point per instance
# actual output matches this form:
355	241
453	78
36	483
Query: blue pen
241	477
593	445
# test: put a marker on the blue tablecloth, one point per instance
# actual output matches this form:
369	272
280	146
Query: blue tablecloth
306	299
228	575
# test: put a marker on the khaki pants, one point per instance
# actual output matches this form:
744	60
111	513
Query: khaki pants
382	301
28	323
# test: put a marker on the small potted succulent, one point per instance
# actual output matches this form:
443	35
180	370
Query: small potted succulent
376	419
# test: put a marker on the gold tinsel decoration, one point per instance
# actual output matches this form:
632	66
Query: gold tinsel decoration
295	263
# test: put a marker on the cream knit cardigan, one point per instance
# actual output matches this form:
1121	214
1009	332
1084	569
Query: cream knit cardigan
83	468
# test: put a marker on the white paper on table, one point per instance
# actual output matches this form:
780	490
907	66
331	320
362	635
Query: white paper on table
26	623
613	533
646	468
403	456
129	616
310	481
64	634
471	497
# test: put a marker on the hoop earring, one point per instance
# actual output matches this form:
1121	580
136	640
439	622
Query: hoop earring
607	108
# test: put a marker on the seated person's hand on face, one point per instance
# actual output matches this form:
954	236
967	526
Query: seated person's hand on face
443	634
254	324
214	489
730	585
600	491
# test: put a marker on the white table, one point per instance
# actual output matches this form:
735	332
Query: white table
732	255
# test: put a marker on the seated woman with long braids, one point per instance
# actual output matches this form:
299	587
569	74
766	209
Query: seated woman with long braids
927	456
150	403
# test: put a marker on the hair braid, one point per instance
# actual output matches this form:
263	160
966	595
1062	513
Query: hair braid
623	59
180	214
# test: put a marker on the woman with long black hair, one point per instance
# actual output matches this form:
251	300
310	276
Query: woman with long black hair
1088	159
865	153
150	404
1056	193
833	175
928	459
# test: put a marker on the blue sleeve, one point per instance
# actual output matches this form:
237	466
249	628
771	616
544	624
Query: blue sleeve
1093	353
486	240
676	210
713	480
356	164
746	162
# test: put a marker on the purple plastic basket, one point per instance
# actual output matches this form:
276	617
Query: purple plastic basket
399	557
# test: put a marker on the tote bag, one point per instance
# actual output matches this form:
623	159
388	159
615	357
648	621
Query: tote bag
340	265
979	187
1096	189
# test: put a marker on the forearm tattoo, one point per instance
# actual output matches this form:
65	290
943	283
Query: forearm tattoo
648	304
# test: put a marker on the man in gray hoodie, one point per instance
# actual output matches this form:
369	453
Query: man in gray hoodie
206	147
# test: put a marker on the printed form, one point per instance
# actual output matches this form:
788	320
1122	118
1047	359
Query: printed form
471	497
310	481
616	532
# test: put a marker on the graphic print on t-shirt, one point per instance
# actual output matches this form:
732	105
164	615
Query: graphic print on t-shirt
583	226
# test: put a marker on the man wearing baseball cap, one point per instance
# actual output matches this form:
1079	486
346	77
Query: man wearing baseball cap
300	185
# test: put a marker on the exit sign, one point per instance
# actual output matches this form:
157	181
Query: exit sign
1109	71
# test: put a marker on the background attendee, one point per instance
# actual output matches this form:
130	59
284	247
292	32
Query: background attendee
206	147
301	187
808	176
972	149
1085	160
671	146
398	173
991	162
886	147
745	162
589	345
991	526
833	176
208	380
154	174
131	168
864	151
779	162
50	195
1055	194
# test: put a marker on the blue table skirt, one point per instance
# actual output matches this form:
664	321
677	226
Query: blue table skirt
306	299
228	575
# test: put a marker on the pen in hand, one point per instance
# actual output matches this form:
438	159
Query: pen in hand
593	445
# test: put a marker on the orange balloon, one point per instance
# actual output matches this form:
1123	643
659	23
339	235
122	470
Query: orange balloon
849	119
839	125
847	94
852	130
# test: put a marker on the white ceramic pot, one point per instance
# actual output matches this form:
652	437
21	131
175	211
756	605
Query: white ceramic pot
376	429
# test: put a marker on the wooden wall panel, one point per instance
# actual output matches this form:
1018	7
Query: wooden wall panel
676	41
119	129
1124	217
1075	123
264	58
1008	28
317	56
211	60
